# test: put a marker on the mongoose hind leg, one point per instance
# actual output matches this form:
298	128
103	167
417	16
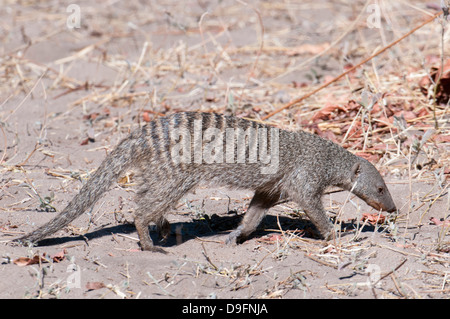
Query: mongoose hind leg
145	240
153	203
259	205
147	213
162	226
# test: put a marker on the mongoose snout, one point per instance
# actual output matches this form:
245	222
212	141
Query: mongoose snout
369	186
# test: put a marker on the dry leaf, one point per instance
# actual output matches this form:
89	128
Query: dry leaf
374	218
436	221
325	112
146	117
59	256
91	116
271	238
25	261
369	156
440	138
85	141
95	285
308	49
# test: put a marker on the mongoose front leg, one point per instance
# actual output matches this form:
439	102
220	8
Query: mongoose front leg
316	213
259	205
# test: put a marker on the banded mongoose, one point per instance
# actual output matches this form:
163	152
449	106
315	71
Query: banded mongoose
171	155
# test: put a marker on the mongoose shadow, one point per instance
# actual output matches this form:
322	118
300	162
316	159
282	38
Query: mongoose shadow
182	232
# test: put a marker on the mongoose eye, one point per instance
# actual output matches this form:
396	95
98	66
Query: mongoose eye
380	190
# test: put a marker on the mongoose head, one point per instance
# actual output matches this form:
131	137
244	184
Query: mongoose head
370	186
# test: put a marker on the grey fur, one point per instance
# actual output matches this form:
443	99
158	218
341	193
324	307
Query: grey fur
307	165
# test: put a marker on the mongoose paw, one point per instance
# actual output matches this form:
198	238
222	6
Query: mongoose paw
23	242
18	243
153	249
328	234
235	237
231	239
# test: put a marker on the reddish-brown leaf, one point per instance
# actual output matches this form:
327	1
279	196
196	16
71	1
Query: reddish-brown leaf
95	285
146	117
85	141
326	112
271	238
374	218
368	156
59	256
436	221
26	261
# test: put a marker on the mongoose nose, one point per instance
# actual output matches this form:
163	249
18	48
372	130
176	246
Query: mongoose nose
392	209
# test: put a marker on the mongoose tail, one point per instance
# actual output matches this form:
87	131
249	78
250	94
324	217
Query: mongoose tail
108	172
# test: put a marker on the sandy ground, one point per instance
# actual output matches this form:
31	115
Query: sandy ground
68	96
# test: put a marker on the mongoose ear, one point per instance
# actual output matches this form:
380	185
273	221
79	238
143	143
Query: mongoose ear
356	169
